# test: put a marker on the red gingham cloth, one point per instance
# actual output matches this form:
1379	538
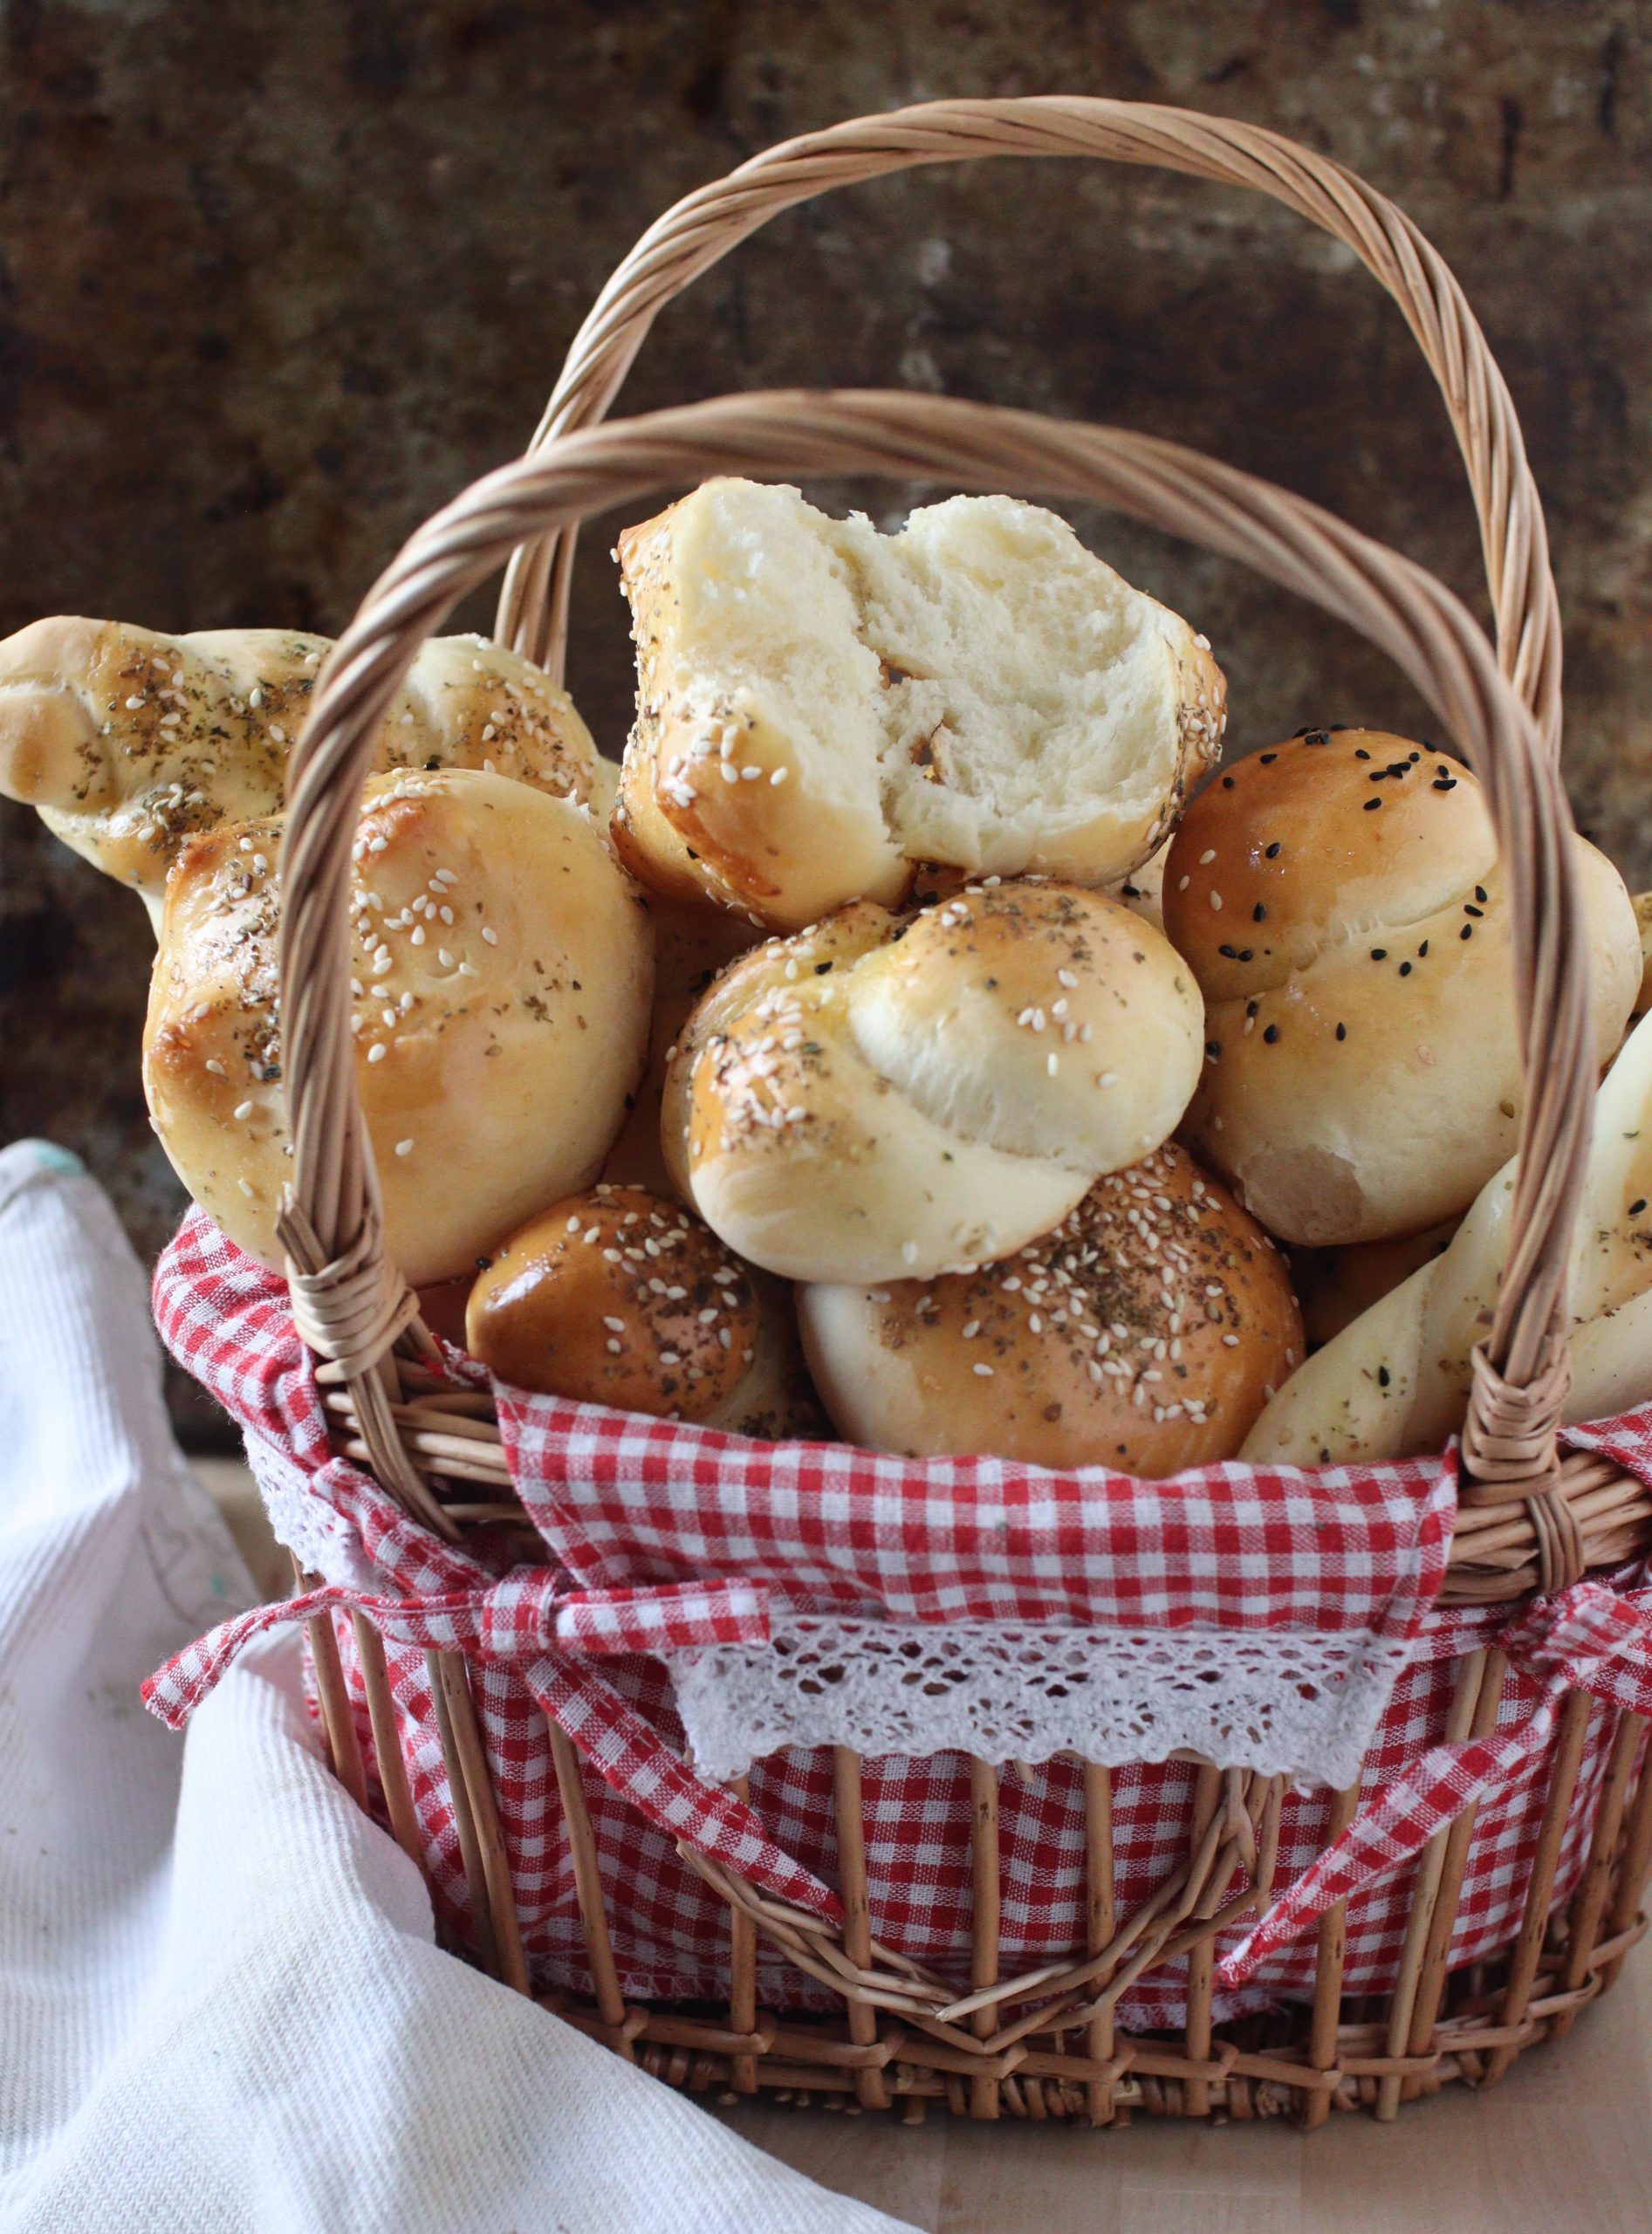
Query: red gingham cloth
662	1536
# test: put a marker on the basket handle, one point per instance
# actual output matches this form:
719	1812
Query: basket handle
701	229
333	1231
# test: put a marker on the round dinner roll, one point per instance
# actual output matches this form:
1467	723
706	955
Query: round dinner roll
503	961
1342	904
130	743
884	1096
1145	1334
821	708
618	1297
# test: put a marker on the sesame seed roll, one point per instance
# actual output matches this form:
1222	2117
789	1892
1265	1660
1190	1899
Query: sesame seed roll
1145	1334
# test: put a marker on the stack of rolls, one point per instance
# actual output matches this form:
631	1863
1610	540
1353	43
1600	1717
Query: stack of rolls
918	1039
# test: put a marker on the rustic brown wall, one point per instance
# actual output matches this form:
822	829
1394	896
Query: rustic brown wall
281	275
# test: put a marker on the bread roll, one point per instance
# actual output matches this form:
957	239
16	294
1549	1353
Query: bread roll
1342	902
1144	1333
820	706
1396	1381
690	946
884	1096
130	743
617	1297
502	962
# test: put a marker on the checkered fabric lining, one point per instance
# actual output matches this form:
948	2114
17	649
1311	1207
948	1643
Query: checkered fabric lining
634	1509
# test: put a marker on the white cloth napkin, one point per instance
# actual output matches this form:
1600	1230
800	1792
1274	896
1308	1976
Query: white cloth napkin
220	2003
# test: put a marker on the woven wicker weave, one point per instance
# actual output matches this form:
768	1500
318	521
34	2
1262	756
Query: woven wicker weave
1529	1520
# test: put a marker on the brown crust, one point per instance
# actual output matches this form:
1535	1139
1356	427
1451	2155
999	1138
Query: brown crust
1146	1333
618	1297
1296	848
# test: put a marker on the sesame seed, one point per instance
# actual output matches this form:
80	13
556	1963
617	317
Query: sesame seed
1052	1064
1216	900
909	1252
1067	977
216	1067
779	775
1271	1034
614	1325
613	1346
1371	805
1230	1341
404	1148
1108	1079
376	1053
244	1109
983	1371
1183	883
490	937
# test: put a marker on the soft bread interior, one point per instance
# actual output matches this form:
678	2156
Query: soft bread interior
1028	681
980	681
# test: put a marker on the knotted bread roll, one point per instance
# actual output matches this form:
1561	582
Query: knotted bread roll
1342	901
620	1297
1145	1332
1396	1383
882	1096
502	961
129	743
820	706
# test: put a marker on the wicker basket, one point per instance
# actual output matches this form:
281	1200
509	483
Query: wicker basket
1528	1521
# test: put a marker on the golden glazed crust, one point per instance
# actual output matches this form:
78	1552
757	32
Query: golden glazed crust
503	963
882	1093
129	743
1342	901
618	1297
1145	1334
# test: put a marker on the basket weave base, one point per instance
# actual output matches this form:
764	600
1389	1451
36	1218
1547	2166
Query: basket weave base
1257	2067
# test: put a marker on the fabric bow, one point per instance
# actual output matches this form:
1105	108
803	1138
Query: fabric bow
1589	1638
550	1637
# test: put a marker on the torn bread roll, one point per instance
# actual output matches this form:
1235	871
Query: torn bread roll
1396	1383
502	963
820	706
129	743
619	1295
1144	1333
882	1096
1342	901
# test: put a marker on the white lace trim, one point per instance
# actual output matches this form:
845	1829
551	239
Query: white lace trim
325	1541
1301	1706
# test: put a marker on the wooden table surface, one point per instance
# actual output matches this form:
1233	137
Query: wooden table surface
1562	2146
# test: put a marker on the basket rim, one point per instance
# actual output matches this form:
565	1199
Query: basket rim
703	226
